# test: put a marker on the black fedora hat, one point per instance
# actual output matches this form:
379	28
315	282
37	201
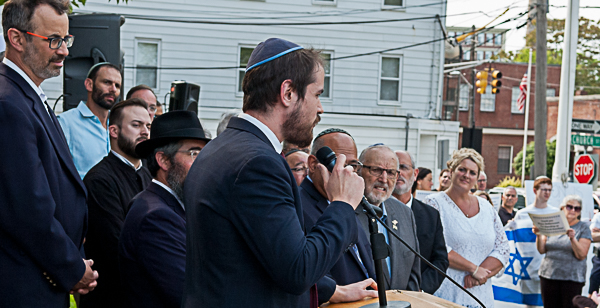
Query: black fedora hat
169	127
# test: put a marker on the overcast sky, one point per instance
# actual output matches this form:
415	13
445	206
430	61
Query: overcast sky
515	38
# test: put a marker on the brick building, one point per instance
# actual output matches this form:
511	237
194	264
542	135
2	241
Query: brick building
585	107
498	116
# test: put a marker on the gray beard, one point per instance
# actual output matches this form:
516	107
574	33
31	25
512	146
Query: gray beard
175	178
407	187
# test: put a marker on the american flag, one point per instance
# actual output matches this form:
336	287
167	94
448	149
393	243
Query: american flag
523	95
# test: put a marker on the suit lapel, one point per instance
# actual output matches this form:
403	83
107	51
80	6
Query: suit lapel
55	133
322	204
364	220
312	191
391	216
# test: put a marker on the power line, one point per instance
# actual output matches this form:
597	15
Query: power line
210	22
304	14
336	58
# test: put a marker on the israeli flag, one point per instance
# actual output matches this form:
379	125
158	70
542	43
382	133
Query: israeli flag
518	285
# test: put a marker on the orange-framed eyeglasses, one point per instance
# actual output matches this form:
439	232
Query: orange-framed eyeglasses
55	42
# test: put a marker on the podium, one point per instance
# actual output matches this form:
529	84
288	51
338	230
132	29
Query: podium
416	300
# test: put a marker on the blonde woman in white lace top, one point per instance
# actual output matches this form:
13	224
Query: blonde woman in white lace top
475	239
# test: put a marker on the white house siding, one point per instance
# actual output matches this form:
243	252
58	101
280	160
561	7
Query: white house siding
355	81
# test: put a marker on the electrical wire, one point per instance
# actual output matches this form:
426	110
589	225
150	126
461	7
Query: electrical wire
338	58
304	14
277	23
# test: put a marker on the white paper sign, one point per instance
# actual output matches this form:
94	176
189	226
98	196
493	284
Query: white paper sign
551	224
422	194
560	191
496	200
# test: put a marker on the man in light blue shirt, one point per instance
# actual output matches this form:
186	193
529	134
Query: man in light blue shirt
85	127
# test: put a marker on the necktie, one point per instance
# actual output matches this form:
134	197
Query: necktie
362	266
314	297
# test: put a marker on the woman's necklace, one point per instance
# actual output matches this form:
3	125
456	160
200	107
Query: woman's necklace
469	203
469	209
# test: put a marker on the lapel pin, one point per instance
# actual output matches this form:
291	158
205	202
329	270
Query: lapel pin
395	224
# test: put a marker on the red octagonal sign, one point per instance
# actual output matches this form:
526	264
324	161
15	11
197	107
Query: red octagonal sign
584	169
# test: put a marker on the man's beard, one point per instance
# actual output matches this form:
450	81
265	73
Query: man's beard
38	67
379	197
175	178
406	187
128	146
99	98
295	130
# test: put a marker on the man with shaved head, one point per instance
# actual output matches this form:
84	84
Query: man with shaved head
379	170
429	225
355	270
509	199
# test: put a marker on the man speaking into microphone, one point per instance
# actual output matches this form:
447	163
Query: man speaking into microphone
246	243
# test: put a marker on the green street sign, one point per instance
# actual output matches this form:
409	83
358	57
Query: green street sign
585	140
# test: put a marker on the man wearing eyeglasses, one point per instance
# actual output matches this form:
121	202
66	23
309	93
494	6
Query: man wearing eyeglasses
298	160
509	199
86	127
482	181
430	231
42	198
147	94
354	270
402	270
152	243
542	188
111	184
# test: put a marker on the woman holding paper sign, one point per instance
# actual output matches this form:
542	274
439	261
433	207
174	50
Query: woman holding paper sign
562	272
474	235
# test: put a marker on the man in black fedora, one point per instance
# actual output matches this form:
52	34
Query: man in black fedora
152	243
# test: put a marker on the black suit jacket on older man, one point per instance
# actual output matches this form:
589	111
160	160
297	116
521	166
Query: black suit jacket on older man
350	268
432	244
152	250
246	245
42	202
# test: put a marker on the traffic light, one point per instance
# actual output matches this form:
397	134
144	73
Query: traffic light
481	82
496	83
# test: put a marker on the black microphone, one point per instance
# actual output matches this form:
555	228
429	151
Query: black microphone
326	156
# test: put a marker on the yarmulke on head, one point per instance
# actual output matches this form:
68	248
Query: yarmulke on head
269	50
331	131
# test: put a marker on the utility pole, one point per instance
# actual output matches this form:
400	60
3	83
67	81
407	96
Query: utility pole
540	90
531	16
560	170
472	102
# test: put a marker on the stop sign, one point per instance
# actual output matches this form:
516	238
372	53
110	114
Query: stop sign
584	169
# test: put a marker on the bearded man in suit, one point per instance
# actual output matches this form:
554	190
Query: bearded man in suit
246	241
43	215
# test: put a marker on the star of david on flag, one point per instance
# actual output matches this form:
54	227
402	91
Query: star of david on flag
519	284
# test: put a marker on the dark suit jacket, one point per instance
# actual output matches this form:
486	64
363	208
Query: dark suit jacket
152	250
111	185
246	245
348	268
43	216
432	244
406	267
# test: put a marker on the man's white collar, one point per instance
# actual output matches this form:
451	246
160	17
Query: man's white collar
265	129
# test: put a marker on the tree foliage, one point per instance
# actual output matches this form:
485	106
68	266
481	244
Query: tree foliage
588	51
530	159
